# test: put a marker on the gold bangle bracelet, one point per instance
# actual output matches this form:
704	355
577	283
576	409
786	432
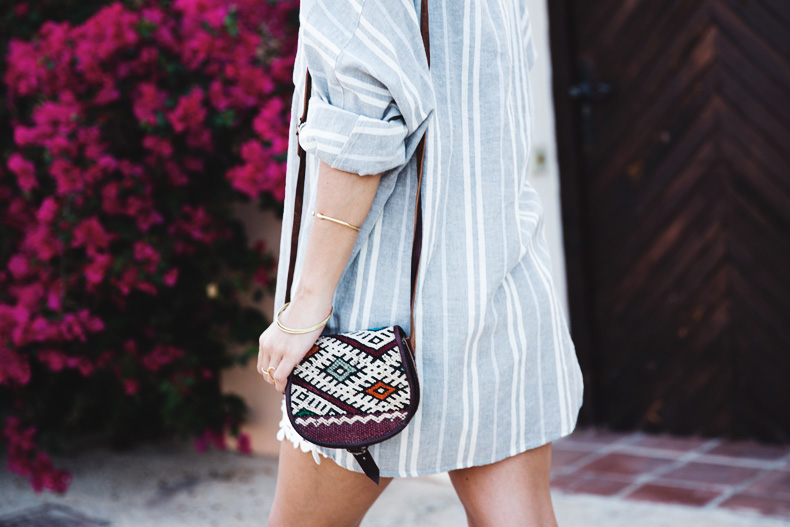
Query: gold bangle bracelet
339	222
300	331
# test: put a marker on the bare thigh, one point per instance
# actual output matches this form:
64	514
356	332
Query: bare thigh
320	495
514	491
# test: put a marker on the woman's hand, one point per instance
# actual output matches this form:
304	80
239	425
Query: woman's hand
279	352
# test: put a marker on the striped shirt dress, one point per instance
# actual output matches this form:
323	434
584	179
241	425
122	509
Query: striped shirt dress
496	363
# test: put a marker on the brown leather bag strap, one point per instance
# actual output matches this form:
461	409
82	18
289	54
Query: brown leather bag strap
416	246
299	198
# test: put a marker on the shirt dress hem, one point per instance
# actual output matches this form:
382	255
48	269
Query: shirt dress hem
287	431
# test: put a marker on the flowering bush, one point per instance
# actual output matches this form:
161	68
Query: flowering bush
134	130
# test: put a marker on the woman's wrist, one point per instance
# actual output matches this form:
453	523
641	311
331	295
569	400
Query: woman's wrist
306	309
314	295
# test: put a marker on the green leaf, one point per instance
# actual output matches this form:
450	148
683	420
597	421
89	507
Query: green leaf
145	28
232	24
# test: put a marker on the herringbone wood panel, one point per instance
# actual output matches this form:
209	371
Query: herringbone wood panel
687	189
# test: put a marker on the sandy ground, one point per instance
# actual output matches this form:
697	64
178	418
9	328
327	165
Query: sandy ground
168	485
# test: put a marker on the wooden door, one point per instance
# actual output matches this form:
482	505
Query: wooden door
674	143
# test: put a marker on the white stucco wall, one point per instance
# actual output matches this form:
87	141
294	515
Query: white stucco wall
544	174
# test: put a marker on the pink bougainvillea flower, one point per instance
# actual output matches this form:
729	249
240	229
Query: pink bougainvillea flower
243	444
193	164
210	437
253	83
18	213
53	123
58	480
130	347
94	149
262	276
267	123
43	329
110	203
71	329
67	176
101	37
196	223
200	138
75	326
158	145
125	283
91	235
54	295
218	95
104	359
246	178
146	287
189	113
170	277
149	101
97	269
53	359
14	368
147	255
23	458
161	356
47	210
21	73
131	386
82	364
175	174
29	295
41	243
259	174
143	212
90	321
24	170
281	68
108	92
19	266
21	8
21	438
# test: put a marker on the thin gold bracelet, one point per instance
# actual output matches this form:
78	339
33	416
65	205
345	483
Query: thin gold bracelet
339	222
300	331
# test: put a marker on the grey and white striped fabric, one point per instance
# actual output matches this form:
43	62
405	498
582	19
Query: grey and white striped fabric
497	366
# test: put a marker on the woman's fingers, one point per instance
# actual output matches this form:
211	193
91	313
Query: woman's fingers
264	356
280	353
284	369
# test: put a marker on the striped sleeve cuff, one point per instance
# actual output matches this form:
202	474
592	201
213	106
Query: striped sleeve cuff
353	142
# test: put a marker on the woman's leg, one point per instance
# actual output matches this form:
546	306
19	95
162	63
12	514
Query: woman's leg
319	495
514	491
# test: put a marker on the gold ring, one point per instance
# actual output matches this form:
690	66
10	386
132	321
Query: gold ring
269	372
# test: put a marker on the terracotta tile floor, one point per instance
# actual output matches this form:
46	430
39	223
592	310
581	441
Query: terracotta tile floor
701	472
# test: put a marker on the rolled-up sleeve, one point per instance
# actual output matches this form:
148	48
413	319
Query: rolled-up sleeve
371	87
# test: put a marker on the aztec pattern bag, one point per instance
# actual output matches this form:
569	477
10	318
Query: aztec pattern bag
353	390
356	389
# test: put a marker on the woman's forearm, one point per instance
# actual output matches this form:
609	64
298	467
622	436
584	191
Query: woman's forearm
344	196
341	195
